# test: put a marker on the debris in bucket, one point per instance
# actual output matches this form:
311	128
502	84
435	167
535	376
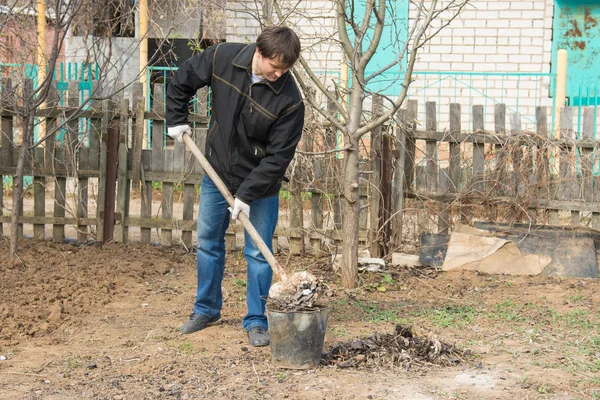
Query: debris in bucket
399	349
299	293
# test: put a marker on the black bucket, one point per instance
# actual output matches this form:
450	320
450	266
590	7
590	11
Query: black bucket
297	337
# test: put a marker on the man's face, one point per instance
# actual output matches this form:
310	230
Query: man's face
269	68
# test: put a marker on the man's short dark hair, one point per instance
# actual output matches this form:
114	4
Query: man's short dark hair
279	42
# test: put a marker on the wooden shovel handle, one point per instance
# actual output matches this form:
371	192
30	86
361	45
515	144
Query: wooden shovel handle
212	174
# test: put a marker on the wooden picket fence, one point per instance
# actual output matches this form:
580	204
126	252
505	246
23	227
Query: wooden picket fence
418	180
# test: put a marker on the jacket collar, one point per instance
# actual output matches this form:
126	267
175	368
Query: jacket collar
244	60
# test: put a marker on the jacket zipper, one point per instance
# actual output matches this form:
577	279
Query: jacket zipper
250	94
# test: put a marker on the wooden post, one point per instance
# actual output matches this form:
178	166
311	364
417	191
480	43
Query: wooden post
374	193
162	160
409	164
316	208
6	139
453	166
498	186
543	173
146	198
515	131
587	163
566	174
39	193
295	233
386	194
399	180
123	186
431	164
561	90
106	117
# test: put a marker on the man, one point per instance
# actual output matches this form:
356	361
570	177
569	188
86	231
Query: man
257	117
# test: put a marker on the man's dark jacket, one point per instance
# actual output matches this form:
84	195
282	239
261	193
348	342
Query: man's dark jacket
254	128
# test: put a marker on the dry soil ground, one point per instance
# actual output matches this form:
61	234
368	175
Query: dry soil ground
102	323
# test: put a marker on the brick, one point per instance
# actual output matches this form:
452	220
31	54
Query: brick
443	49
535	67
521	5
485	67
474	58
487	32
526	41
520	23
502	41
452	57
499	5
497	23
463	49
533	50
456	66
468	41
519	58
485	50
506	50
511	67
537	41
496	58
429	57
509	32
475	23
511	14
487	15
463	32
533	32
469	13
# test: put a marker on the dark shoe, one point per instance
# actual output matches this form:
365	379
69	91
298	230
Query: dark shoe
198	322
258	337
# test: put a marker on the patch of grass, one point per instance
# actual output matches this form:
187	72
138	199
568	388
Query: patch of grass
341	310
575	298
186	348
578	319
457	316
339	331
374	313
545	388
507	311
71	363
239	283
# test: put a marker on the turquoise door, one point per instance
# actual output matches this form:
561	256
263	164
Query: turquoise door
576	28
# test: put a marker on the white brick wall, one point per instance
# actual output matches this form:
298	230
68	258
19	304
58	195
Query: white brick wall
490	36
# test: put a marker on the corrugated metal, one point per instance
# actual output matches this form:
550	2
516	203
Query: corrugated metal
577	29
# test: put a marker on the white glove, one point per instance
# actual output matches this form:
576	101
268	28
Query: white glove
176	132
239	206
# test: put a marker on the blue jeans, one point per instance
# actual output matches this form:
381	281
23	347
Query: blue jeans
213	220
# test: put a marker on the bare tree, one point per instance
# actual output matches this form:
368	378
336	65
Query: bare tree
358	33
91	28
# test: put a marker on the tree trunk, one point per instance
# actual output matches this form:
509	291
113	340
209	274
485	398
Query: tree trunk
351	210
17	199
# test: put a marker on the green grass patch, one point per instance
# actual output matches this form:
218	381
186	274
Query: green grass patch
456	316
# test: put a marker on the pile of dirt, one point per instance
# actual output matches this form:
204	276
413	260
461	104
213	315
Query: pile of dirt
400	349
54	285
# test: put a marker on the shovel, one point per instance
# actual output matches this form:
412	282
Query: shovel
299	282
